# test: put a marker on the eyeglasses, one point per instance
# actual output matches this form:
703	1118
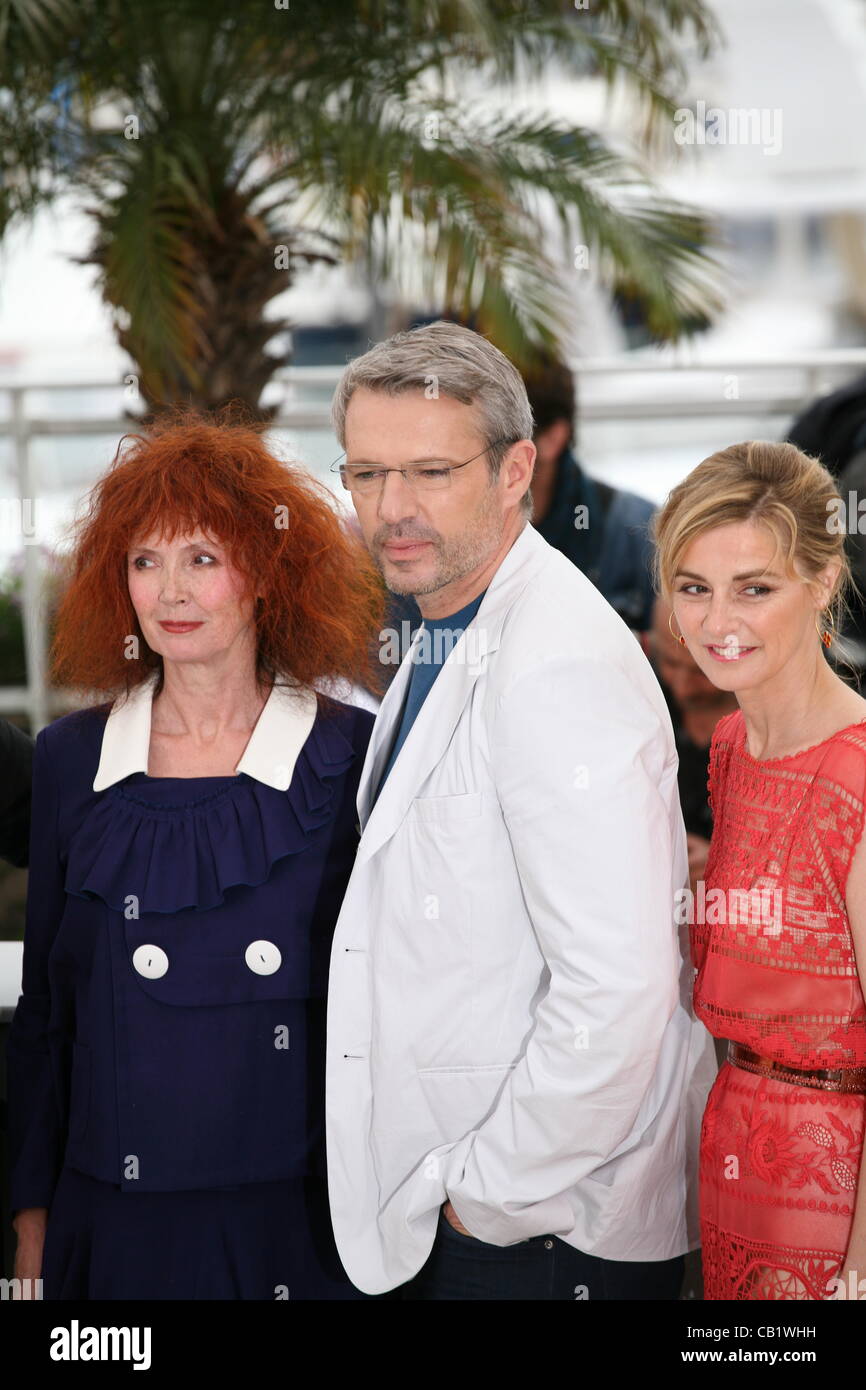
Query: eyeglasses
421	477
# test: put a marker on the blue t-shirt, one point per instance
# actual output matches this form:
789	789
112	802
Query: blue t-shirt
432	654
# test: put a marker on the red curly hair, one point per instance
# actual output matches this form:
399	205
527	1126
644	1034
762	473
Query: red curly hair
323	599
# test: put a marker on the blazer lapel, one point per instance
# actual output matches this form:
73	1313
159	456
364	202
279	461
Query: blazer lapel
387	717
425	744
438	717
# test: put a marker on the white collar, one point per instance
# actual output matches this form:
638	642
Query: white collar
270	756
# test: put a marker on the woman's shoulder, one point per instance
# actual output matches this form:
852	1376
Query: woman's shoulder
726	736
843	759
65	758
344	720
74	735
728	730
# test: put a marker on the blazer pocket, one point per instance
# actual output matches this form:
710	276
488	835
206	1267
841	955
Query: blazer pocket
79	1097
470	1071
464	806
460	1098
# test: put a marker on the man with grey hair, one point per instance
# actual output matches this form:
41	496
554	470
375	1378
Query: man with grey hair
515	1076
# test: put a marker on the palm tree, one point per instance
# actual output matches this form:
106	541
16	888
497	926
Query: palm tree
194	130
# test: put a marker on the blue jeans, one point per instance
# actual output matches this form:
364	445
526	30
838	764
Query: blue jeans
461	1267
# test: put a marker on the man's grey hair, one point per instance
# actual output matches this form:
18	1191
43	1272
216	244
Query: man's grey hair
446	359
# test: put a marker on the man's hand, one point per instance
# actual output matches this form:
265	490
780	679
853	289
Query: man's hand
29	1226
453	1219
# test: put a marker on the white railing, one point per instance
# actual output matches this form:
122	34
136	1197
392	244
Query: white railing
610	391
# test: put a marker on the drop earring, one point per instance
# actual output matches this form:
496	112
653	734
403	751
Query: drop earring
678	635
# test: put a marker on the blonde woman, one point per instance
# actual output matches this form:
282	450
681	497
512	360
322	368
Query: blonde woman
751	559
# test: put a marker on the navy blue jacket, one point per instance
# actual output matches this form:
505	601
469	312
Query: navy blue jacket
170	1032
16	763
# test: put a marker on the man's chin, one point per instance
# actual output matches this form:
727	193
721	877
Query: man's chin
411	586
400	588
409	577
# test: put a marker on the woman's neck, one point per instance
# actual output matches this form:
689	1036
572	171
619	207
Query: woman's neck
799	711
206	704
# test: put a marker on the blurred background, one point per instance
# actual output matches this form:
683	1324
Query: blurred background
658	210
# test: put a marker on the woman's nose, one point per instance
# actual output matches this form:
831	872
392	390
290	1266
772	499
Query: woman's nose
720	618
172	589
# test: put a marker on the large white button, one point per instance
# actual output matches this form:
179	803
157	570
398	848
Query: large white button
263	957
150	961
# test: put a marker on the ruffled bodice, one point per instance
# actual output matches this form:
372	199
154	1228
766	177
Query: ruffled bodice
178	842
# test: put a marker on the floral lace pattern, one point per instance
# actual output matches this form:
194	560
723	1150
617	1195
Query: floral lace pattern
780	1162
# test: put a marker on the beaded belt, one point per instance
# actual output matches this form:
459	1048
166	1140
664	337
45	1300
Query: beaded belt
826	1079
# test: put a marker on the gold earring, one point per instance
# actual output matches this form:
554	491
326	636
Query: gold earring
678	635
826	637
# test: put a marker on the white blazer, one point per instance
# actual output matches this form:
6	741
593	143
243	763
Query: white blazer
509	1014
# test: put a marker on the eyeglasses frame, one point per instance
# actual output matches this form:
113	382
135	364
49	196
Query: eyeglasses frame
452	467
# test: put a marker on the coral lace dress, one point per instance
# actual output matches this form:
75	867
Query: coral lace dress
776	971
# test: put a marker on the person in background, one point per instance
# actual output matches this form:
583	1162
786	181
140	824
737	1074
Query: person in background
16	762
833	429
602	529
696	705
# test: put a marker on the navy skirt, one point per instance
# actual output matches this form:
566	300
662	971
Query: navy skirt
269	1240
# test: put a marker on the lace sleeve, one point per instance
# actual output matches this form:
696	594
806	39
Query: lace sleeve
841	803
719	748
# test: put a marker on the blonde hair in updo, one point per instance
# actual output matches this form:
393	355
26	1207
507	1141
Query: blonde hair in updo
776	485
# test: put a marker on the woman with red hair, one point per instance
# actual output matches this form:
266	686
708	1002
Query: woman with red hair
192	838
